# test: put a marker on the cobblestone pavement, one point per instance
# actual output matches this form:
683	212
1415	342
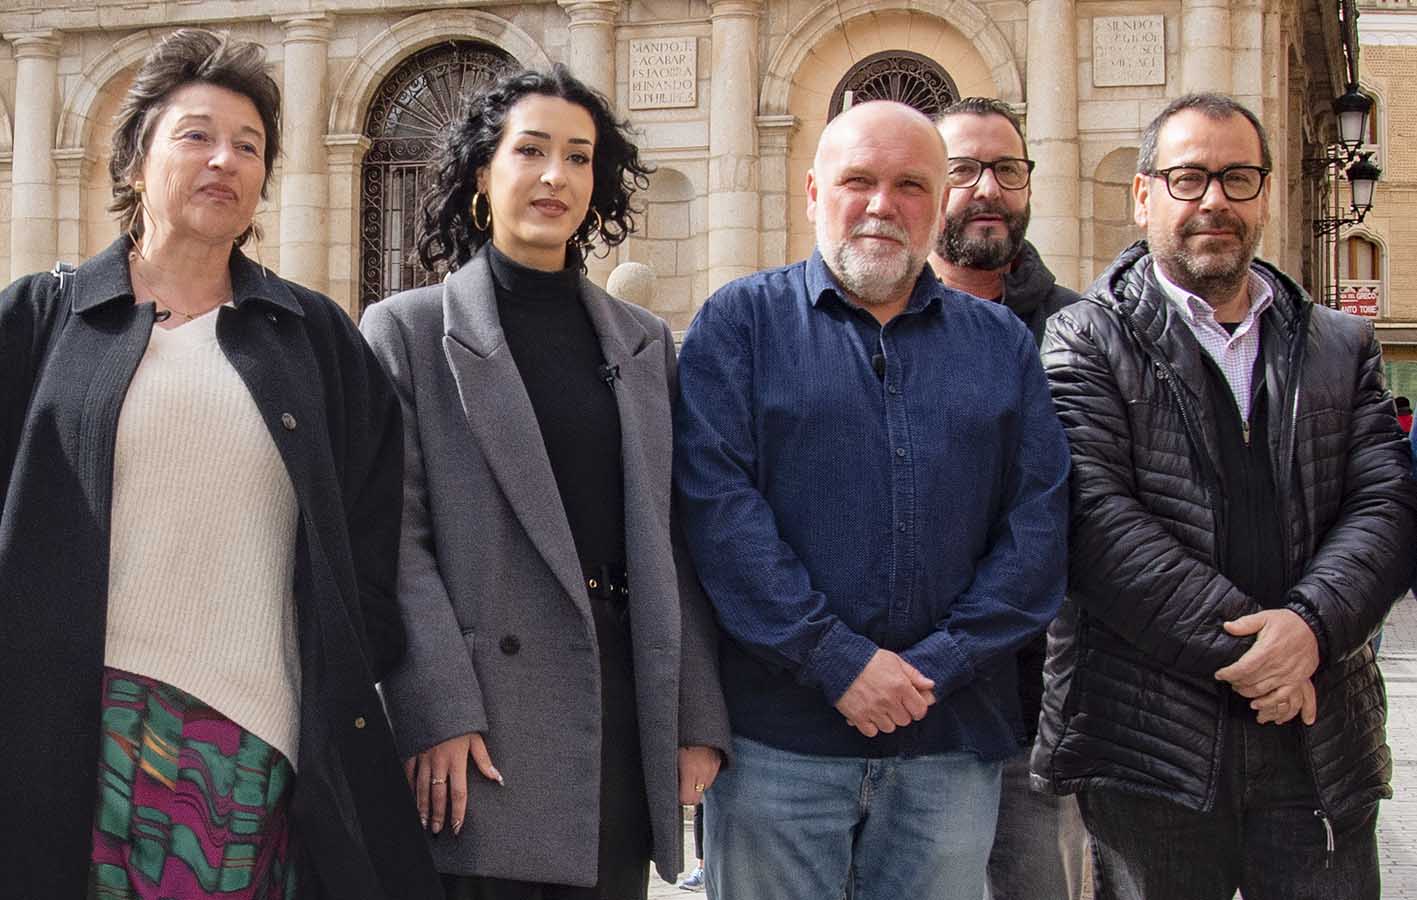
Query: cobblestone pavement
1397	819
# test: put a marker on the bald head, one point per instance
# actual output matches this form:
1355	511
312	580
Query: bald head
875	121
875	195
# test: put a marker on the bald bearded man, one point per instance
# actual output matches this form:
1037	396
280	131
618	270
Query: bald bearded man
873	483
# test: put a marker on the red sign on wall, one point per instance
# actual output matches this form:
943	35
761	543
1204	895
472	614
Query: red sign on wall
1359	298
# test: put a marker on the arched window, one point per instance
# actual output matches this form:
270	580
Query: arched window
900	75
408	113
1360	276
1360	259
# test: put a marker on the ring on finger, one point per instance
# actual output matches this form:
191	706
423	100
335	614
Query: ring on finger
439	781
700	787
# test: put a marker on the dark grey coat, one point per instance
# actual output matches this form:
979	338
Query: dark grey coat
500	635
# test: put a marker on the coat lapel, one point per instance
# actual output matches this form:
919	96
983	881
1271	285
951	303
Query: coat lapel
501	417
646	449
642	399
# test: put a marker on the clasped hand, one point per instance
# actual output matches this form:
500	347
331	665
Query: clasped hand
1276	673
889	693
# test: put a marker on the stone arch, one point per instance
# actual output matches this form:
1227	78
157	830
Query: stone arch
86	93
965	16
1379	122
1364	233
378	58
1112	227
667	242
820	67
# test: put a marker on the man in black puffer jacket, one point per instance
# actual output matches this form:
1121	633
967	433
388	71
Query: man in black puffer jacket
1242	520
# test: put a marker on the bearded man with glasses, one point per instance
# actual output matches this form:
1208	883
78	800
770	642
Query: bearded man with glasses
1242	517
1039	841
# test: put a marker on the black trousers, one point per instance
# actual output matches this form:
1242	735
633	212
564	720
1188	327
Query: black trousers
1264	835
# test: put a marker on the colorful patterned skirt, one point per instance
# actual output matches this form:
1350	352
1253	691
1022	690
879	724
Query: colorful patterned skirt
190	804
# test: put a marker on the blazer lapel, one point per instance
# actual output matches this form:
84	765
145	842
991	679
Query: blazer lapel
646	448
501	417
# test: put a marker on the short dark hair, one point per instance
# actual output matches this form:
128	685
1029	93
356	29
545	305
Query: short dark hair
449	235
187	56
1216	107
984	106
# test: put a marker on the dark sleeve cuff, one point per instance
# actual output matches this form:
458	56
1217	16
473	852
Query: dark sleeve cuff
1315	624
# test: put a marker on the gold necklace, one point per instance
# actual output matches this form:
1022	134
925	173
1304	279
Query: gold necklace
165	309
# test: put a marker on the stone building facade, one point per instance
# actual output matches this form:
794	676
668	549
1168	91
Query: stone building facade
729	97
1376	256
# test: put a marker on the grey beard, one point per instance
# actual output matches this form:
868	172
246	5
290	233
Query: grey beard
1207	278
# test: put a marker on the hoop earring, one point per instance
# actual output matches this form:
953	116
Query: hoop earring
133	219
485	224
256	237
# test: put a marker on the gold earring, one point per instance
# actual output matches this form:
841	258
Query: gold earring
139	186
485	224
133	222
256	236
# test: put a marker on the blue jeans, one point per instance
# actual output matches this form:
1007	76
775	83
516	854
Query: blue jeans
1040	843
1262	837
789	826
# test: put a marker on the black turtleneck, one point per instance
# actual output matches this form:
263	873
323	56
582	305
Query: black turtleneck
558	357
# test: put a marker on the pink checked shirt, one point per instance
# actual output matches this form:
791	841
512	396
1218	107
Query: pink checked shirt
1234	354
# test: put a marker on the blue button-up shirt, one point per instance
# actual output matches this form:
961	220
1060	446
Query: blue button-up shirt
832	510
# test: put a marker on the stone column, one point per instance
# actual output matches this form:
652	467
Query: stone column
33	228
6	160
1247	74
590	52
1206	63
345	157
304	183
733	184
774	137
72	166
590	55
1053	136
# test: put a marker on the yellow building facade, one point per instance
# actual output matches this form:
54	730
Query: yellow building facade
729	98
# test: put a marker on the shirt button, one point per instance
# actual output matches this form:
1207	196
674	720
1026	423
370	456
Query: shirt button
893	389
900	451
271	317
510	645
900	526
288	421
359	722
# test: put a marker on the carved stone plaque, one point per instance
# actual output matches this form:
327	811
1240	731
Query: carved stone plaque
1128	50
664	72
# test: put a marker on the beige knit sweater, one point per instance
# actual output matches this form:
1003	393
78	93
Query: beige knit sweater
203	549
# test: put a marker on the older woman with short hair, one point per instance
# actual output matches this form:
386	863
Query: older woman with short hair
199	478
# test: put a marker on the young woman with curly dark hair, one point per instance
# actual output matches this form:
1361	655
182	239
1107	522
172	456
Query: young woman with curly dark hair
560	697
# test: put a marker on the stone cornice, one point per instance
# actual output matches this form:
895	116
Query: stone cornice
735	9
590	12
313	29
1387	28
35	44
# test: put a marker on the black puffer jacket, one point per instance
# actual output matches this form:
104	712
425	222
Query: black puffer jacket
1132	702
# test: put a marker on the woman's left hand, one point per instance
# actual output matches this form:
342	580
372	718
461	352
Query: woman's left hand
698	767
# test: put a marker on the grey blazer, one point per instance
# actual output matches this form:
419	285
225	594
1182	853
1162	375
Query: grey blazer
500	635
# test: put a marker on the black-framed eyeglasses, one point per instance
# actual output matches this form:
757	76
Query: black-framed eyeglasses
1191	182
1010	172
